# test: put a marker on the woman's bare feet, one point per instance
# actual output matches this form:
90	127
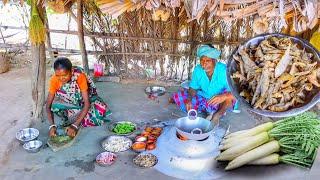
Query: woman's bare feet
216	117
171	100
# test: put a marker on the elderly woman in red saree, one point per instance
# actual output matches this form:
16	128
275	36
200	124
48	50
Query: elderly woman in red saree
73	96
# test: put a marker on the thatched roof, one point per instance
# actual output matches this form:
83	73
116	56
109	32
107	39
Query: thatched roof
225	9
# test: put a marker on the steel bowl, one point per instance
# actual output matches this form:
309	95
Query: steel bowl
145	154
155	90
232	67
113	125
103	155
139	150
27	134
32	146
116	143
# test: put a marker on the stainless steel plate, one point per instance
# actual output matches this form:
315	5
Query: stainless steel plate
147	157
155	90
102	159
113	125
116	143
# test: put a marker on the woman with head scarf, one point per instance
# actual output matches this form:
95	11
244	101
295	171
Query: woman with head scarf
208	89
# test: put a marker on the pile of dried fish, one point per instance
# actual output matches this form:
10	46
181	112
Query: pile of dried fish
145	160
277	74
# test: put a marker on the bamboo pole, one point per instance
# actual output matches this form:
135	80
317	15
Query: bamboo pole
38	77
105	35
48	38
81	36
193	45
76	51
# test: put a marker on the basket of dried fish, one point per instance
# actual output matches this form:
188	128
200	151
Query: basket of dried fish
275	75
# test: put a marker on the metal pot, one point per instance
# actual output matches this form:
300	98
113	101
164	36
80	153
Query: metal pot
193	127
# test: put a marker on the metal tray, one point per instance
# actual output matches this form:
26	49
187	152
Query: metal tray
231	68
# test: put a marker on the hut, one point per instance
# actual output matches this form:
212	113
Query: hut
157	38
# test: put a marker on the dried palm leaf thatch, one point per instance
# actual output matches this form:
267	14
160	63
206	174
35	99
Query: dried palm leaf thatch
37	31
115	8
60	6
260	25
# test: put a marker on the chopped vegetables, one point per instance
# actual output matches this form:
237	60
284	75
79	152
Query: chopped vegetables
106	158
116	143
61	139
124	128
297	138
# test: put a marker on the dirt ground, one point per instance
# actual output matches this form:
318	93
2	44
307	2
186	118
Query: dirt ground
15	107
128	102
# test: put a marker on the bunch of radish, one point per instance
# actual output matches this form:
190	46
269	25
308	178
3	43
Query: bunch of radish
292	140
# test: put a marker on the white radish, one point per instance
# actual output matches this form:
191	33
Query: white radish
267	160
245	146
254	131
235	140
236	133
254	154
230	144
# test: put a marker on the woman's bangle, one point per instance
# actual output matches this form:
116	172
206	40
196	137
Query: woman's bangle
53	125
75	126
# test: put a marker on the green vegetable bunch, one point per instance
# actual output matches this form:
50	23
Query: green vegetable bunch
124	128
61	139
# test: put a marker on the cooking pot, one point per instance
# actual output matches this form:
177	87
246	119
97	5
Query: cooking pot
194	127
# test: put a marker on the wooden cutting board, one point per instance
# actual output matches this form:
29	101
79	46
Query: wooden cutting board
60	146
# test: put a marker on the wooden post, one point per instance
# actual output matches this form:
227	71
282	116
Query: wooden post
46	23
38	78
81	36
192	48
175	32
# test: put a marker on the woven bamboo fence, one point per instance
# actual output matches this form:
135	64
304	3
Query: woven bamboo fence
144	48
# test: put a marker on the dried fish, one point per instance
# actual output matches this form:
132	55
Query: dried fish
248	63
276	74
283	63
312	78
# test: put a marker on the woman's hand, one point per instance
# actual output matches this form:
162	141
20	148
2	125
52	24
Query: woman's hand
52	132
71	131
220	98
